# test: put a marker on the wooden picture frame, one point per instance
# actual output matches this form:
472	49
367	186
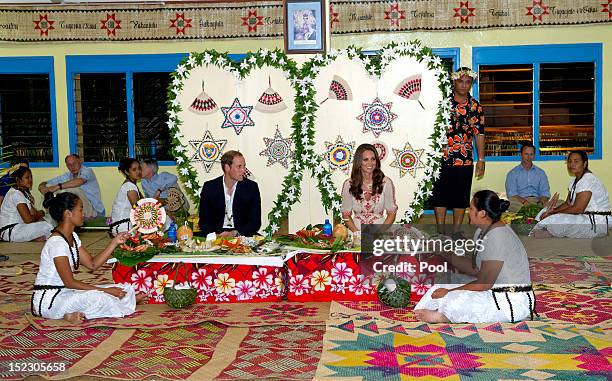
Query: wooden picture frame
305	28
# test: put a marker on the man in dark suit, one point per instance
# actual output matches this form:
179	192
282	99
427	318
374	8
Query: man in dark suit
230	205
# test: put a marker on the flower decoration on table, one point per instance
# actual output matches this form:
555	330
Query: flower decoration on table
312	237
524	220
141	247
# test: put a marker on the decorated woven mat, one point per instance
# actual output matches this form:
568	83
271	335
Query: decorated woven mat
576	303
374	349
234	314
13	309
197	352
559	270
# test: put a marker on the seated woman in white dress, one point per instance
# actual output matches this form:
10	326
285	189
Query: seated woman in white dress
20	221
57	295
368	197
586	210
127	196
501	290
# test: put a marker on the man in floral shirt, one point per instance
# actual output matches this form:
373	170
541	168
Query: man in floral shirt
452	190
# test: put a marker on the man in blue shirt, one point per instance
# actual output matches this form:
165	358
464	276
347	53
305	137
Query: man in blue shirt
7	181
81	181
526	184
156	184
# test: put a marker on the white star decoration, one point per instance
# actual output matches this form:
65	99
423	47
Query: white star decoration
377	117
237	116
408	160
278	149
208	150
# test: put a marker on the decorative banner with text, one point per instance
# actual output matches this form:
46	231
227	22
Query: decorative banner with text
259	19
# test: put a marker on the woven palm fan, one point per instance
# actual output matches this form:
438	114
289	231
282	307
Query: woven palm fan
270	101
174	199
203	104
410	88
339	90
148	215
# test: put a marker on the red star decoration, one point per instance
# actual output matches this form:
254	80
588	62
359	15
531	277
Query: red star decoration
44	25
111	24
464	12
335	16
252	21
180	23
607	8
537	11
394	14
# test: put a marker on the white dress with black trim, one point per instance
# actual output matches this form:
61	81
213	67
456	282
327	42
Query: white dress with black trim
500	244
52	300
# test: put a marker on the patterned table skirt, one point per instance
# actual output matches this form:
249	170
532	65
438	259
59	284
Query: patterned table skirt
339	277
215	283
311	278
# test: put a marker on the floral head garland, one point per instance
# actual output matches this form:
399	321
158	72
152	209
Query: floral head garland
464	71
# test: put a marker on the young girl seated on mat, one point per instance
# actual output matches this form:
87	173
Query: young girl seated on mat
127	196
57	295
20	221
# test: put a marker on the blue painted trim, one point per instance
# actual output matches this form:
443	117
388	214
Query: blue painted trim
598	153
547	53
37	65
441	52
536	109
236	57
128	64
449	53
129	91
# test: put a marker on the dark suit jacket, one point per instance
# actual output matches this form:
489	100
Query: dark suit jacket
246	207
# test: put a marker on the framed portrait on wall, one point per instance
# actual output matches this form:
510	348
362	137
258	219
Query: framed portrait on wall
304	26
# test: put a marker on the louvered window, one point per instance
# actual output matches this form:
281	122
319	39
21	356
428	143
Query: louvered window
25	116
547	95
118	107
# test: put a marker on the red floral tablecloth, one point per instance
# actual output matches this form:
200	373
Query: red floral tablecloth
215	283
339	277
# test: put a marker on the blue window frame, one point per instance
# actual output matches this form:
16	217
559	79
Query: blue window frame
20	66
540	58
126	65
446	54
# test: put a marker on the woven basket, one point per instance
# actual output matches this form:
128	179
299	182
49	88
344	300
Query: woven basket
397	295
522	229
180	298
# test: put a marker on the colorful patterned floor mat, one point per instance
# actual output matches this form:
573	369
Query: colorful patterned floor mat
373	349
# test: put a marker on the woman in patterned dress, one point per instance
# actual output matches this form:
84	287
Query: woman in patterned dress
368	197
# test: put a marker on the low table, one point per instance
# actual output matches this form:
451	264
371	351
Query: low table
301	275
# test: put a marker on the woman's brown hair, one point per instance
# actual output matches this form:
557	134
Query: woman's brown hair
357	179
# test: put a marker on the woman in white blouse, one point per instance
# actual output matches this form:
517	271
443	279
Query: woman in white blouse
127	196
368	196
20	221
586	210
